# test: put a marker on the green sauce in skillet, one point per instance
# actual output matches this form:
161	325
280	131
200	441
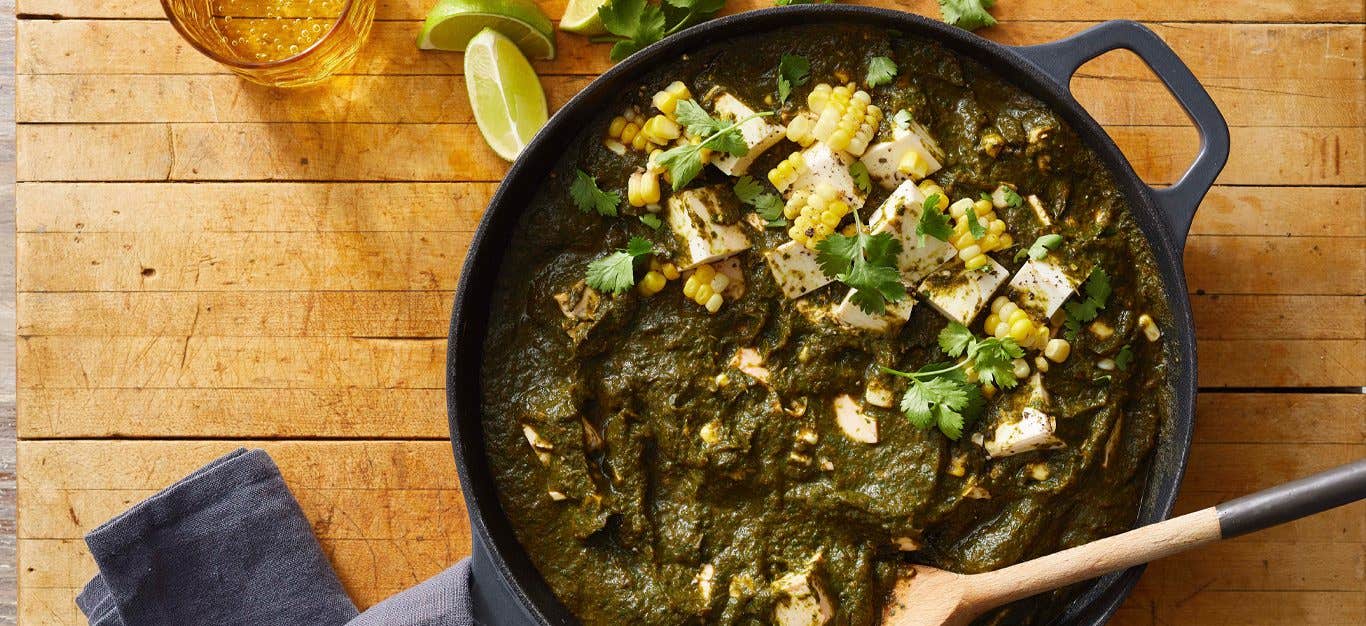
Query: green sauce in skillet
666	464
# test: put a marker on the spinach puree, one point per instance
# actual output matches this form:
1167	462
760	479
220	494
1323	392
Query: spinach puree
653	481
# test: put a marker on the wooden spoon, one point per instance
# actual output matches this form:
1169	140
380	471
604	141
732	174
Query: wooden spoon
926	596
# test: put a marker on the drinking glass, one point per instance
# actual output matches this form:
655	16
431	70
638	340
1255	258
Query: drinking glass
281	43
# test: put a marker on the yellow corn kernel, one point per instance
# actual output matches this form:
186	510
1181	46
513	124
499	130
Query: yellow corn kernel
1040	336
628	132
690	286
670	271
1016	316
618	124
705	272
640	143
1020	368
983	207
1150	329
1007	241
976	263
990	243
999	303
1007	309
652	283
969	252
787	171
1021	330
704	293
1001	331
1057	350
996	227
970	374
930	188
1040	363
913	164
818	97
661	130
960	208
849	230
649	188
990	325
989	391
633	195
713	304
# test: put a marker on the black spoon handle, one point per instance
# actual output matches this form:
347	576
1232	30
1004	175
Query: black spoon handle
1300	498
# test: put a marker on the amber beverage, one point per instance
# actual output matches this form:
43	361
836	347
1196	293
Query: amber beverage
282	43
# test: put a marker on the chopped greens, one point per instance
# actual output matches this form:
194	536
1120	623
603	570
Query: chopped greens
651	220
975	223
902	120
634	24
616	272
1097	289
967	14
588	197
940	394
993	357
768	205
685	161
1125	358
793	71
881	71
932	221
1041	247
1012	197
865	262
859	172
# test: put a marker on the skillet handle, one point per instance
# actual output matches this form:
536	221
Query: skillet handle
1059	60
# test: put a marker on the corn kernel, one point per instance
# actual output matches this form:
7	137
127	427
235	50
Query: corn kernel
1007	309
983	206
1007	241
976	263
713	303
720	282
704	293
999	303
670	271
652	283
1038	471
1040	363
913	164
615	146
628	132
1020	368
1107	365
960	208
996	227
690	286
1021	330
1057	350
990	324
1016	315
970	374
969	252
1040	336
1101	330
617	125
1002	330
705	272
930	188
1150	329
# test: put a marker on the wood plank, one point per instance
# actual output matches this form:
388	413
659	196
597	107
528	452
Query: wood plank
423	152
1243	608
1263	11
69	98
427	207
367	261
1281	317
1271	363
1211	50
1287	418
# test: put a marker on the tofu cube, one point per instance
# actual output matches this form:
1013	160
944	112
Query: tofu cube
824	165
795	269
896	314
883	159
801	598
857	425
899	215
692	217
1041	286
959	293
1025	422
759	134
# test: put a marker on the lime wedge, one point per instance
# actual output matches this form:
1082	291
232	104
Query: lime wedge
451	24
504	92
581	16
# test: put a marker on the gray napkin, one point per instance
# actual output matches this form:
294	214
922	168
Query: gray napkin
228	544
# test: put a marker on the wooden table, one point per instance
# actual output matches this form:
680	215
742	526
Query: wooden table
204	264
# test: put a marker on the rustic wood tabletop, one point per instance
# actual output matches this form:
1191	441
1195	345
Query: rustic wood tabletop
203	264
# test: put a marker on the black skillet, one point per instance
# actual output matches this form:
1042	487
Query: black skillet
507	589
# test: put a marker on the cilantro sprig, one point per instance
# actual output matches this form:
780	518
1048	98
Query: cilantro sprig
865	262
902	120
1097	290
932	221
685	161
588	197
616	272
768	205
793	71
859	172
635	24
940	395
881	71
1039	249
967	14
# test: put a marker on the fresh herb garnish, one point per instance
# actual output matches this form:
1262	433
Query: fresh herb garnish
1040	247
1125	358
1012	197
932	221
635	24
902	120
588	197
881	71
793	71
940	394
616	272
859	172
685	161
1097	289
651	220
865	262
974	222
768	205
967	14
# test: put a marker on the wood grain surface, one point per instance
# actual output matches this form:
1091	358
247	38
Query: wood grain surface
204	264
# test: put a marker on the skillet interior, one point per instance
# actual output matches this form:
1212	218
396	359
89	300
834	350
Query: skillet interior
470	320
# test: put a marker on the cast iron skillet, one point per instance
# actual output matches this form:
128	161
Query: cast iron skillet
507	589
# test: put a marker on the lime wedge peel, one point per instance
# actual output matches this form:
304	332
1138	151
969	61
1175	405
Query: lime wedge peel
451	24
581	17
505	94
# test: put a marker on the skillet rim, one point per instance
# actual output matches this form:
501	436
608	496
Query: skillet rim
470	313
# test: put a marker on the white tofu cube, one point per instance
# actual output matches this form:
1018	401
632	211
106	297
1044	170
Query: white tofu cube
759	134
883	159
795	269
802	599
692	218
824	165
959	293
896	314
749	361
856	424
1041	286
1026	424
899	215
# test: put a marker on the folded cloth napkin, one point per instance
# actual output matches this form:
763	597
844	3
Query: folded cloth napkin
228	544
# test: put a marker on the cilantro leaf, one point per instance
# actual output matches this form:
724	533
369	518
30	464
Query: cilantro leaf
636	23
955	339
685	161
939	396
680	14
1043	244
902	120
932	221
974	223
651	220
769	206
859	172
1125	358
1097	286
967	14
881	71
616	272
1012	197
695	119
588	197
994	360
793	71
866	263
1097	289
